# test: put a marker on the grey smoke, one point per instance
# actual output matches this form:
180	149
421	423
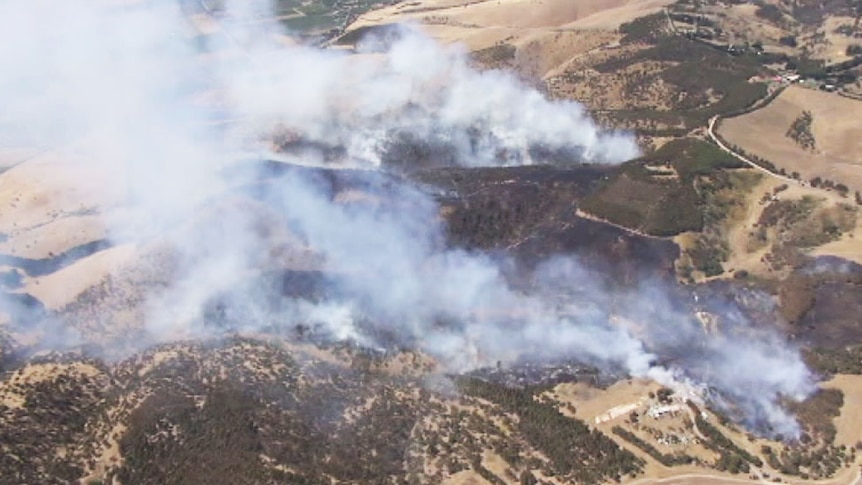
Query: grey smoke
417	88
120	86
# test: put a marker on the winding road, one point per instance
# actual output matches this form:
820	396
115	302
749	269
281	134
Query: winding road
708	479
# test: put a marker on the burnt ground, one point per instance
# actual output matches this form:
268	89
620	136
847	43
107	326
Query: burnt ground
529	212
826	295
43	266
522	216
250	412
833	320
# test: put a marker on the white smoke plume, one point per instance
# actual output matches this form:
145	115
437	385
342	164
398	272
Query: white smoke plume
126	87
420	89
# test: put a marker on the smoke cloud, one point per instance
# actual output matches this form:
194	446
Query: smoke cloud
141	101
417	89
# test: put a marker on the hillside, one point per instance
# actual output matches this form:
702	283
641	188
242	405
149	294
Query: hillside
289	406
259	411
299	242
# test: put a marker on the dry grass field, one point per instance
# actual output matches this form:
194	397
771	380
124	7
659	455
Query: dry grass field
517	14
554	30
837	155
751	253
849	422
834	46
61	288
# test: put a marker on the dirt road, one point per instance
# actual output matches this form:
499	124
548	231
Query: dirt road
711	131
852	476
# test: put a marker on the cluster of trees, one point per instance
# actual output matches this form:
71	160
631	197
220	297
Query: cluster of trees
830	185
803	224
757	160
635	198
488	474
196	428
815	455
645	29
818	463
800	131
719	192
817	413
55	414
575	451
668	206
700	67
845	360
770	12
704	34
496	56
789	41
848	30
492	219
762	103
218	440
707	255
797	130
838	73
732	458
699	20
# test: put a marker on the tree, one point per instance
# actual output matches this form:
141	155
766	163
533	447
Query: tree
527	478
788	40
769	12
842	189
